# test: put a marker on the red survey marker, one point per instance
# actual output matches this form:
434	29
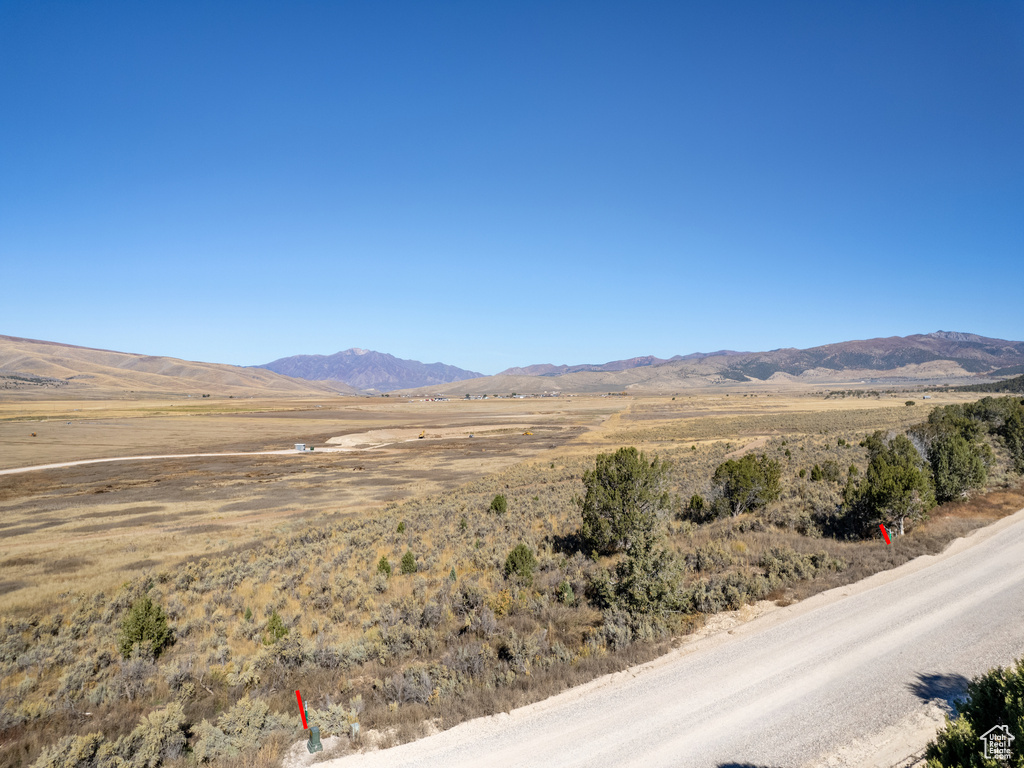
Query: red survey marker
302	709
885	533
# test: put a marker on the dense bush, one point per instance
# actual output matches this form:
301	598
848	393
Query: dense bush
897	486
275	629
145	626
749	482
993	698
646	579
957	466
624	495
408	563
520	564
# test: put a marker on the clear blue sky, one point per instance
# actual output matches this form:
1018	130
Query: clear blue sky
492	184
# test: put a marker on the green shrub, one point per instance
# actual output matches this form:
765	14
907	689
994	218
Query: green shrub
520	564
565	593
1012	432
499	504
625	494
646	579
408	563
699	510
992	698
383	566
275	629
897	487
401	527
749	482
146	626
957	466
600	590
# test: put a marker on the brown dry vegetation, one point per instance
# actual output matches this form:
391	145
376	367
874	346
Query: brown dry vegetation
453	640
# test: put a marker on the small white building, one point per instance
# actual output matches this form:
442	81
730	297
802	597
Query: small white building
300	446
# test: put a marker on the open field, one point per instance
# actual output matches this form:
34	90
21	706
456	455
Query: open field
99	523
227	543
129	428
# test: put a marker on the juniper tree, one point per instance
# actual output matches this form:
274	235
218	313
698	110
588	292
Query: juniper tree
897	486
625	492
520	564
749	482
957	466
146	626
408	563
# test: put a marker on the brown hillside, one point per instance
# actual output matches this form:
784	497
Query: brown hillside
31	368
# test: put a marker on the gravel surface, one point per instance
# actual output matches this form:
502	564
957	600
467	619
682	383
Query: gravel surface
857	676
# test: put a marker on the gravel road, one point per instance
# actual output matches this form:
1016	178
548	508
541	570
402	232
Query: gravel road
79	462
850	677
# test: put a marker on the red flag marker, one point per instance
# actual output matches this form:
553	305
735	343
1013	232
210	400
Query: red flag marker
302	710
885	533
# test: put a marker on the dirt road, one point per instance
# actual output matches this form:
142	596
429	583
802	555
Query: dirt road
851	677
16	470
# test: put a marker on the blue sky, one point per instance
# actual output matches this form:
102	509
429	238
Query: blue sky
495	184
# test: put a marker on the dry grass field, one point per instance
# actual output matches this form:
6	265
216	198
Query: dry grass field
98	523
269	567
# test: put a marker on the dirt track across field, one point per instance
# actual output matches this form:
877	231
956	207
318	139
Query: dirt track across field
377	438
857	676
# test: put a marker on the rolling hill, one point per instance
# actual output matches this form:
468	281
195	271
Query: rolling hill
918	359
369	370
30	367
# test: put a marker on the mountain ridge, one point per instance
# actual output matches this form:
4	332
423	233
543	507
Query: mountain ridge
953	356
917	358
369	370
548	369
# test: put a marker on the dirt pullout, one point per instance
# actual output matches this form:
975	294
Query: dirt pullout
378	438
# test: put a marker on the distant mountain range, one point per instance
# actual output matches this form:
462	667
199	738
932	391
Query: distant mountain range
972	353
932	357
547	369
369	370
940	357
